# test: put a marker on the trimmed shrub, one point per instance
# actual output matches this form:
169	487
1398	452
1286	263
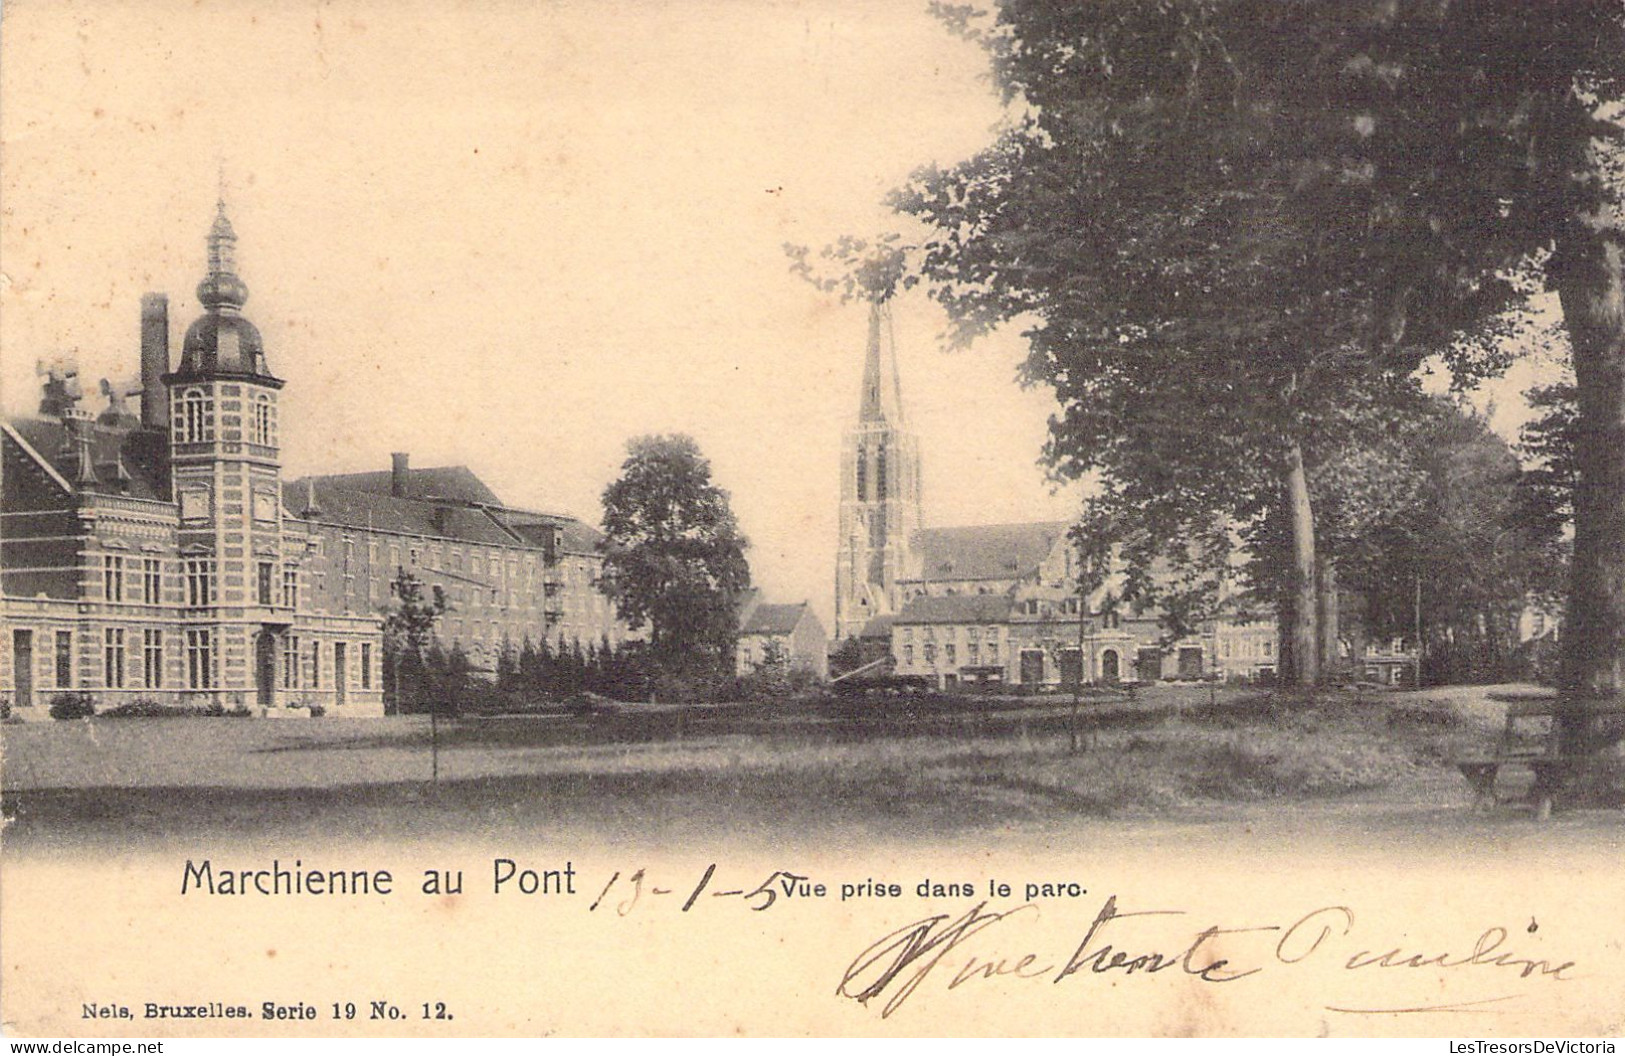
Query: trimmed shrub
72	706
147	708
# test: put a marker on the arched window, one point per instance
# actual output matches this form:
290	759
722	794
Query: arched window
195	421
863	473
880	470
264	421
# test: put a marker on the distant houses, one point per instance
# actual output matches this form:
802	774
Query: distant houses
789	637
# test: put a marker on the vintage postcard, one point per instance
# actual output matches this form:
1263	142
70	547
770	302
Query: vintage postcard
473	564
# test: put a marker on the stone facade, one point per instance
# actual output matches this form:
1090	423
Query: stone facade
162	557
152	558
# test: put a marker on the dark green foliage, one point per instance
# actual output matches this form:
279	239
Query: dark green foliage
72	706
674	559
1549	443
147	708
542	679
1240	227
848	656
1464	540
439	683
409	633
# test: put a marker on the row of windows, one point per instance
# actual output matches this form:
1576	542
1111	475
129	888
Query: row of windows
1066	606
131	662
301	669
141	580
883	480
137	579
1247	648
193	419
976	653
137	662
434	556
929	633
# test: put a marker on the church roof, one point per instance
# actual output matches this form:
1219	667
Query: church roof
773	619
957	608
986	551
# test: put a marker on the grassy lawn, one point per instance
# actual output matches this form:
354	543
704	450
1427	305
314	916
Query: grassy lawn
925	770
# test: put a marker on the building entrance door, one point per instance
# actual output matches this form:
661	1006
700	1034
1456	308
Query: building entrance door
265	668
1071	667
22	666
341	674
1108	667
1032	667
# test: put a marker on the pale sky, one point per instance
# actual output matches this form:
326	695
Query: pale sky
516	235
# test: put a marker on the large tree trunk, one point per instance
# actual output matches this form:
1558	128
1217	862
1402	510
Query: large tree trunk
1589	269
1300	647
1330	660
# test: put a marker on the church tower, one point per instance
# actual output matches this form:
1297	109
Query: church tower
226	470
880	490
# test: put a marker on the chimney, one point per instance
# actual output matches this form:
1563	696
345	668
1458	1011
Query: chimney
397	475
154	360
312	510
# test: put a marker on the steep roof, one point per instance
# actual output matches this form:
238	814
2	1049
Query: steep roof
773	619
340	503
384	512
437	482
576	537
986	551
957	608
139	455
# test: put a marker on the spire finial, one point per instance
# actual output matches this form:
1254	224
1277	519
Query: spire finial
221	289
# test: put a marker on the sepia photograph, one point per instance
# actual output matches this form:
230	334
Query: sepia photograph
1097	518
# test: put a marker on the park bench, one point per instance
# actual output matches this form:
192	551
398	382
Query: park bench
1528	741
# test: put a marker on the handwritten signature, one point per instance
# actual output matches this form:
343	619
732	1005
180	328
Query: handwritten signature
958	951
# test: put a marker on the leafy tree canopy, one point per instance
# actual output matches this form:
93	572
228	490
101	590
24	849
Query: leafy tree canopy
1225	218
674	558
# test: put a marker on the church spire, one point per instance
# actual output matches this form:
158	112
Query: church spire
882	390
880	490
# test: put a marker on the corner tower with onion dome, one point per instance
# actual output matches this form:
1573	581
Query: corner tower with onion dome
239	579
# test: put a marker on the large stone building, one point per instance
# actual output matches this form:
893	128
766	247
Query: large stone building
986	603
162	557
504	574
